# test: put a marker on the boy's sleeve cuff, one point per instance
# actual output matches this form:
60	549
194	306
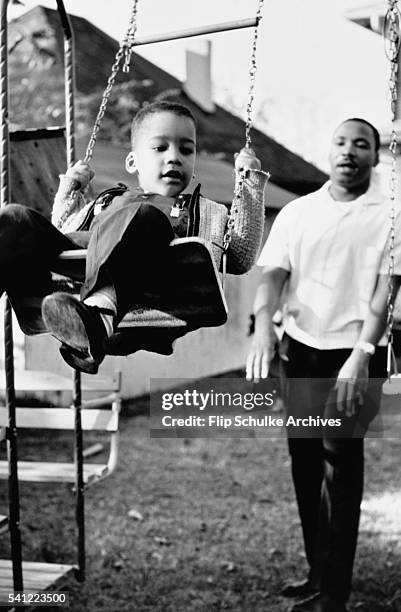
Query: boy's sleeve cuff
259	178
256	179
67	185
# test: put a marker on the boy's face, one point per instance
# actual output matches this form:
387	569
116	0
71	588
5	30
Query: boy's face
164	153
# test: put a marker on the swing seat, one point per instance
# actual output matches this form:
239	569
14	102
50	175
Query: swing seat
194	299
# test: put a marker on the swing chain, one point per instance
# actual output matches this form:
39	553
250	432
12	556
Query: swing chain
239	185
391	31
392	39
124	50
252	76
128	42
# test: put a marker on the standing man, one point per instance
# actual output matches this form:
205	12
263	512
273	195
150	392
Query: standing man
329	251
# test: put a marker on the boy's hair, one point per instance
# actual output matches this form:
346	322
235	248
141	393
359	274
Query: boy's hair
153	108
376	134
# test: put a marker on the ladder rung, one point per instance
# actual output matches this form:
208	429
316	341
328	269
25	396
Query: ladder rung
38	380
36	577
38	471
62	418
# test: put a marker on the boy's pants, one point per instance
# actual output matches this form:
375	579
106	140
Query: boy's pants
127	248
327	470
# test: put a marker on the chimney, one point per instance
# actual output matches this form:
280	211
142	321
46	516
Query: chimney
198	83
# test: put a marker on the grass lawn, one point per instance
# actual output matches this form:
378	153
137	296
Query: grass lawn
215	525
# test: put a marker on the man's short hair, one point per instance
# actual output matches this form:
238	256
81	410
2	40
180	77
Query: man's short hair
375	131
163	106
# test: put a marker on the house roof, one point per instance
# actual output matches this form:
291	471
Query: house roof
218	133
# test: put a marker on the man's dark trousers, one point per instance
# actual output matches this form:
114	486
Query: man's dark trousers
328	471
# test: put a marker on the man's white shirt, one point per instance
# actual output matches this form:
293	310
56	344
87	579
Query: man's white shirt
334	252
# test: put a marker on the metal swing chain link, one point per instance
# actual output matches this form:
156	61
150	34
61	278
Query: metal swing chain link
248	125
252	76
392	40
124	50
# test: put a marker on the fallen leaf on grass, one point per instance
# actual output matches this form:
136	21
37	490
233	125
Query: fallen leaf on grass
112	562
32	527
162	541
229	566
135	514
118	564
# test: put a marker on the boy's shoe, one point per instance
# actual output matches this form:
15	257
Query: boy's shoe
78	327
79	361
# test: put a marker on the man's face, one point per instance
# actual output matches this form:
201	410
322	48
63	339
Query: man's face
352	155
164	153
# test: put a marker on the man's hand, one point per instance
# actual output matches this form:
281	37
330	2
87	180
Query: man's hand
352	382
261	352
82	173
246	160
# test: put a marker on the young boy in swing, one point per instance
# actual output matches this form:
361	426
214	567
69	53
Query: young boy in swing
128	240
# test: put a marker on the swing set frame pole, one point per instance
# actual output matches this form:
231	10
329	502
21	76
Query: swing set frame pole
12	452
191	32
69	80
12	443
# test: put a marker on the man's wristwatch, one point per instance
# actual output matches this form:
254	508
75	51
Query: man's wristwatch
366	347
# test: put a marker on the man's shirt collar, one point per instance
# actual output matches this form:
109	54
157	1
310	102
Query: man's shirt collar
374	194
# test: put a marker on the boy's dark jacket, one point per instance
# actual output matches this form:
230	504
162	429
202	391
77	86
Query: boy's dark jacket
204	218
69	212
